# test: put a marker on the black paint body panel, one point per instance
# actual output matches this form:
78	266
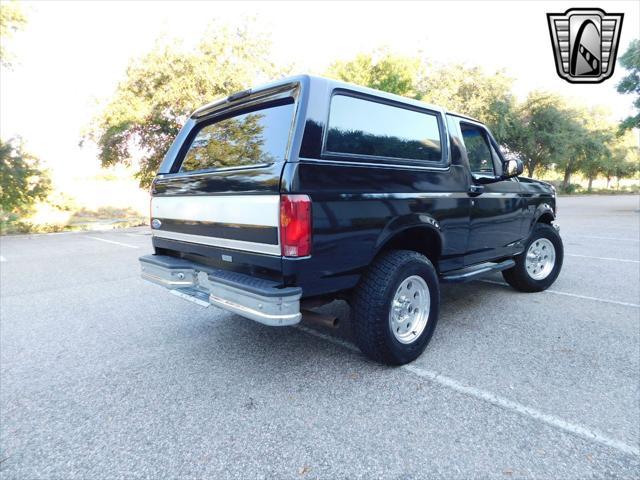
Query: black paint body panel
359	206
264	266
248	233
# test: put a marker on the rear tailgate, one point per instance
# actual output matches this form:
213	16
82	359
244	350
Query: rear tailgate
217	200
239	222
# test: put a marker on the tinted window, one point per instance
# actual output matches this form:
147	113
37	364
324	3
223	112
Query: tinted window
363	127
251	138
478	150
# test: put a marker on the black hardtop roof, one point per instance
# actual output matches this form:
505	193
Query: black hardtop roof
329	84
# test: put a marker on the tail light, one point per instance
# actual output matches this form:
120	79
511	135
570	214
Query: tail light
295	225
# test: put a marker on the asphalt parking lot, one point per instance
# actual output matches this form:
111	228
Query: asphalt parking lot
105	376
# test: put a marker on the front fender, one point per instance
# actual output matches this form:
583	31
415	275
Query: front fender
544	209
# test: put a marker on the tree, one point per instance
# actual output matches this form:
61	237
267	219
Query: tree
624	158
472	92
22	180
231	142
12	19
162	88
593	153
469	91
541	131
381	70
589	145
631	83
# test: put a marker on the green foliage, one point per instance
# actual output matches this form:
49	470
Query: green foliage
22	181
469	91
540	131
231	142
12	19
623	160
591	152
544	130
570	188
83	219
472	92
586	147
381	70
14	224
631	83
163	87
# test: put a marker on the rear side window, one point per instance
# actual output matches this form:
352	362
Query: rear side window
364	127
256	137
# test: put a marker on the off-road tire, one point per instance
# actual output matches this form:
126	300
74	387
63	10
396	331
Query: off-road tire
372	303
518	277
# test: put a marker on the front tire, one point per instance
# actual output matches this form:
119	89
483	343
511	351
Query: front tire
539	265
395	307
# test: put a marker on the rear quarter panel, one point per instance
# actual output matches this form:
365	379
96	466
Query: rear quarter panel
358	207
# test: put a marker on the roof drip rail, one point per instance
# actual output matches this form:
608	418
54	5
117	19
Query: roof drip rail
237	96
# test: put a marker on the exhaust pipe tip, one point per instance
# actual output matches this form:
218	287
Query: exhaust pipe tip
316	318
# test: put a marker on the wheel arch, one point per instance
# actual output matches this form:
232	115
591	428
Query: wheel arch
544	214
420	235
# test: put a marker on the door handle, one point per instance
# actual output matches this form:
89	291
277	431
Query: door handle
475	190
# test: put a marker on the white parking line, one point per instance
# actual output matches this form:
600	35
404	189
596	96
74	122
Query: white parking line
497	400
575	295
2	259
602	258
114	242
138	235
602	238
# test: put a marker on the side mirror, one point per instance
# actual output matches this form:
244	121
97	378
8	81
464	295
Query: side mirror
512	168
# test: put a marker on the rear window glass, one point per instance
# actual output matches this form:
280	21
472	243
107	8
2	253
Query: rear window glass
364	127
251	138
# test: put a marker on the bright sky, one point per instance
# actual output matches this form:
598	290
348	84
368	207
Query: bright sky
72	54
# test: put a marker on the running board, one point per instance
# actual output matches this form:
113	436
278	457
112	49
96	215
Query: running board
471	273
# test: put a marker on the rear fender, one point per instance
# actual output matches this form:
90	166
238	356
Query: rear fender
422	224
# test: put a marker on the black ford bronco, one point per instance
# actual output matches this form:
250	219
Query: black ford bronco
278	199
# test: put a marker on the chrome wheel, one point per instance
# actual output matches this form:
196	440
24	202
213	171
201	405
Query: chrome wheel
410	309
541	258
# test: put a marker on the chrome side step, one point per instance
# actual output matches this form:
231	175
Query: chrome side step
474	271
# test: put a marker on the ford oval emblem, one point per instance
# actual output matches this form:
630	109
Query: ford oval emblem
155	223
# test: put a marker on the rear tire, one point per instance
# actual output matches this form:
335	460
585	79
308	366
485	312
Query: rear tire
538	273
395	307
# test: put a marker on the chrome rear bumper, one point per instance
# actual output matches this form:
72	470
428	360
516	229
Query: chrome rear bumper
254	298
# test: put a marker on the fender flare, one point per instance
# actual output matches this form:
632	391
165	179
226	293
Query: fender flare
398	225
541	210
